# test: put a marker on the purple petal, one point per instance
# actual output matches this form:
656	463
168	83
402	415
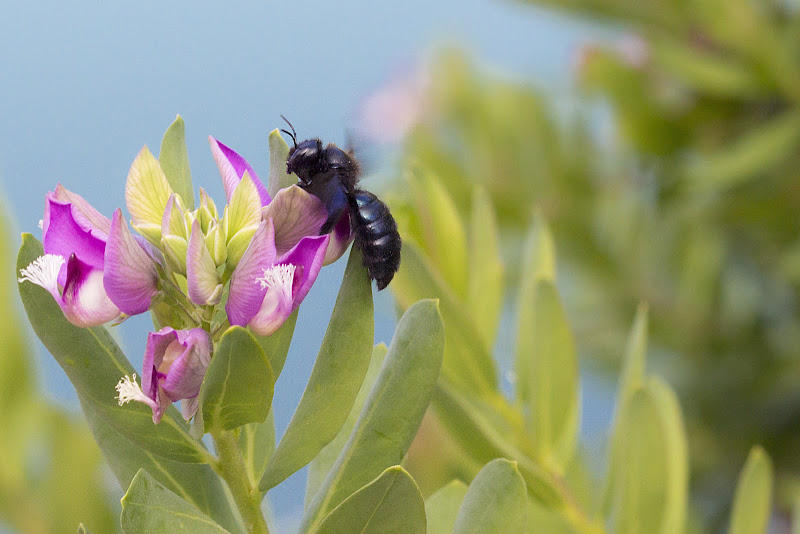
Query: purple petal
341	237
276	306
201	273
84	301
307	256
190	355
84	213
157	343
189	407
175	362
131	277
295	214
232	167
65	232
245	294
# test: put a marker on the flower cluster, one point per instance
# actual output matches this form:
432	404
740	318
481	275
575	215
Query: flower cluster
198	272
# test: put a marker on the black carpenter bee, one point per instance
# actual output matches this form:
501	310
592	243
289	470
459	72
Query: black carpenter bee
331	174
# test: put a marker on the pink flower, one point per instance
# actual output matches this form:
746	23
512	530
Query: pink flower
80	245
265	288
175	362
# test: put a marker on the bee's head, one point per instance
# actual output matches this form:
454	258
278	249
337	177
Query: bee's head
307	160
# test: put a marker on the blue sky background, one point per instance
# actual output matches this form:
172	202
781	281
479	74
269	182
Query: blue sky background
85	84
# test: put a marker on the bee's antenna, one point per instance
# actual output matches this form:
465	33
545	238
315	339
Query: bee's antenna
293	135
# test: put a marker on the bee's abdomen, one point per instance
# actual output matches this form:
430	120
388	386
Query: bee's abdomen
376	235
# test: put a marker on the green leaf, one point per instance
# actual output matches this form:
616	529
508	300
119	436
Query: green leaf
752	502
443	236
276	346
94	364
539	263
761	148
278	154
467	360
472	428
238	385
540	252
441	508
19	400
485	284
174	160
338	372
631	378
496	501
706	70
257	443
651	477
541	518
319	467
392	414
389	504
45	500
633	369
195	483
544	338
150	507
38	431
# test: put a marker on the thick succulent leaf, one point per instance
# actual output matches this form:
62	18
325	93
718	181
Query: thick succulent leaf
539	263
393	411
485	284
150	507
94	364
496	501
174	160
390	504
238	385
752	502
471	427
553	415
467	360
319	467
651	479
278	154
194	483
441	508
276	346
338	372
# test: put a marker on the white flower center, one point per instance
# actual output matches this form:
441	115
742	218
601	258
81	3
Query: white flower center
278	277
129	390
43	271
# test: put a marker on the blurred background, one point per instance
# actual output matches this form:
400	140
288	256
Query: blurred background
660	140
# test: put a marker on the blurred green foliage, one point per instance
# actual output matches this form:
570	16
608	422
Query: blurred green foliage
472	422
51	472
686	201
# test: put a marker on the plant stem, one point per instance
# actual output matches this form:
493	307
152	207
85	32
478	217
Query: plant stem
231	468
